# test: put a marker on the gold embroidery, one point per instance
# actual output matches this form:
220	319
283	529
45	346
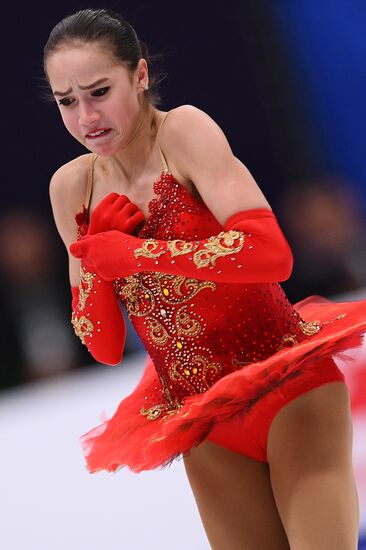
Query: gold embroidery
287	341
158	332
82	327
163	300
222	245
134	290
310	328
186	326
178	247
153	412
140	299
87	279
148	248
195	377
341	316
156	411
179	287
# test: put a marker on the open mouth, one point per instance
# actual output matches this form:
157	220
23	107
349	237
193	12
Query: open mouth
98	133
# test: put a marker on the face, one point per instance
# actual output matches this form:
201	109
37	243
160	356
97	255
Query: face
98	100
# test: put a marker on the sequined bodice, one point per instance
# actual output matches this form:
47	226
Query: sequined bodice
198	331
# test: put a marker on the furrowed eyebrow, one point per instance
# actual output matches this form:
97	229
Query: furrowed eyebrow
89	87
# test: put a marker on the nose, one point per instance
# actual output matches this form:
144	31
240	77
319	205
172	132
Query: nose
87	115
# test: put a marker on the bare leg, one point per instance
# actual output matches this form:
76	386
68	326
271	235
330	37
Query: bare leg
310	459
235	500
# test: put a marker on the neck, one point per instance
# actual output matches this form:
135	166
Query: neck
132	156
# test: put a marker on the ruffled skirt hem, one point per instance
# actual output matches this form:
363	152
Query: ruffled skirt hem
130	439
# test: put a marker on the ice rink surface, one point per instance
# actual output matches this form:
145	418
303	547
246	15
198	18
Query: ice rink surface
48	500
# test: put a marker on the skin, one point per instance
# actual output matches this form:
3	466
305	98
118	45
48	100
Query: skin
305	498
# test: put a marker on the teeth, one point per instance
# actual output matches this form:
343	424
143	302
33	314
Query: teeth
97	133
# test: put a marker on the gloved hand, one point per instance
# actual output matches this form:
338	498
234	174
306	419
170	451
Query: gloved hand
115	212
252	249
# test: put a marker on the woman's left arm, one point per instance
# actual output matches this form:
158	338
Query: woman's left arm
201	153
252	247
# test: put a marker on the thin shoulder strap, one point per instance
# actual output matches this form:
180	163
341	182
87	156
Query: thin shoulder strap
89	189
163	159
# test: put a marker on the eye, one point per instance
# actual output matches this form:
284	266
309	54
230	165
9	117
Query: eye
100	91
65	101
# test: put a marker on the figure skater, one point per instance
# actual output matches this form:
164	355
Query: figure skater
162	216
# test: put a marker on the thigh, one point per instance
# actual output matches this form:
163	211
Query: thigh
247	433
314	430
309	452
235	500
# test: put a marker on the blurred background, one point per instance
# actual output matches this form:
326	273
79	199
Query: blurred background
286	81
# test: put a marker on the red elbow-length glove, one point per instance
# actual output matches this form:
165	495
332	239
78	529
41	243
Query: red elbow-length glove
251	249
96	316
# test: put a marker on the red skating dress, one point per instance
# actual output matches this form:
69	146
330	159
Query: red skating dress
224	357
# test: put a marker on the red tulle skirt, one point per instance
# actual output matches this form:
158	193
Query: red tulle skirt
237	401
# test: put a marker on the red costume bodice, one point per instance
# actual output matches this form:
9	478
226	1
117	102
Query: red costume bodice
195	331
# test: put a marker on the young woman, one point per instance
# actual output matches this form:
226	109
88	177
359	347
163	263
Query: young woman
241	383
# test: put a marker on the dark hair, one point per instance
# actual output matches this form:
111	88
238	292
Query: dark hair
112	30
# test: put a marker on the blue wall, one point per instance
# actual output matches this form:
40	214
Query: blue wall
326	44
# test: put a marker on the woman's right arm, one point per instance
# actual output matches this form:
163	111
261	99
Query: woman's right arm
67	195
96	315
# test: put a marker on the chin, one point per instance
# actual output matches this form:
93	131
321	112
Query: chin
103	150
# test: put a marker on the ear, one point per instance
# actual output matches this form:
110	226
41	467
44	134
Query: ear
142	74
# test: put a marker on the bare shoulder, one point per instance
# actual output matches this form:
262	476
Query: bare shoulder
191	139
67	194
69	182
184	120
197	148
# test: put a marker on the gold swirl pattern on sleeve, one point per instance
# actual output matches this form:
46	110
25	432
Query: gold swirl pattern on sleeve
82	326
223	244
229	242
148	249
85	287
179	247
